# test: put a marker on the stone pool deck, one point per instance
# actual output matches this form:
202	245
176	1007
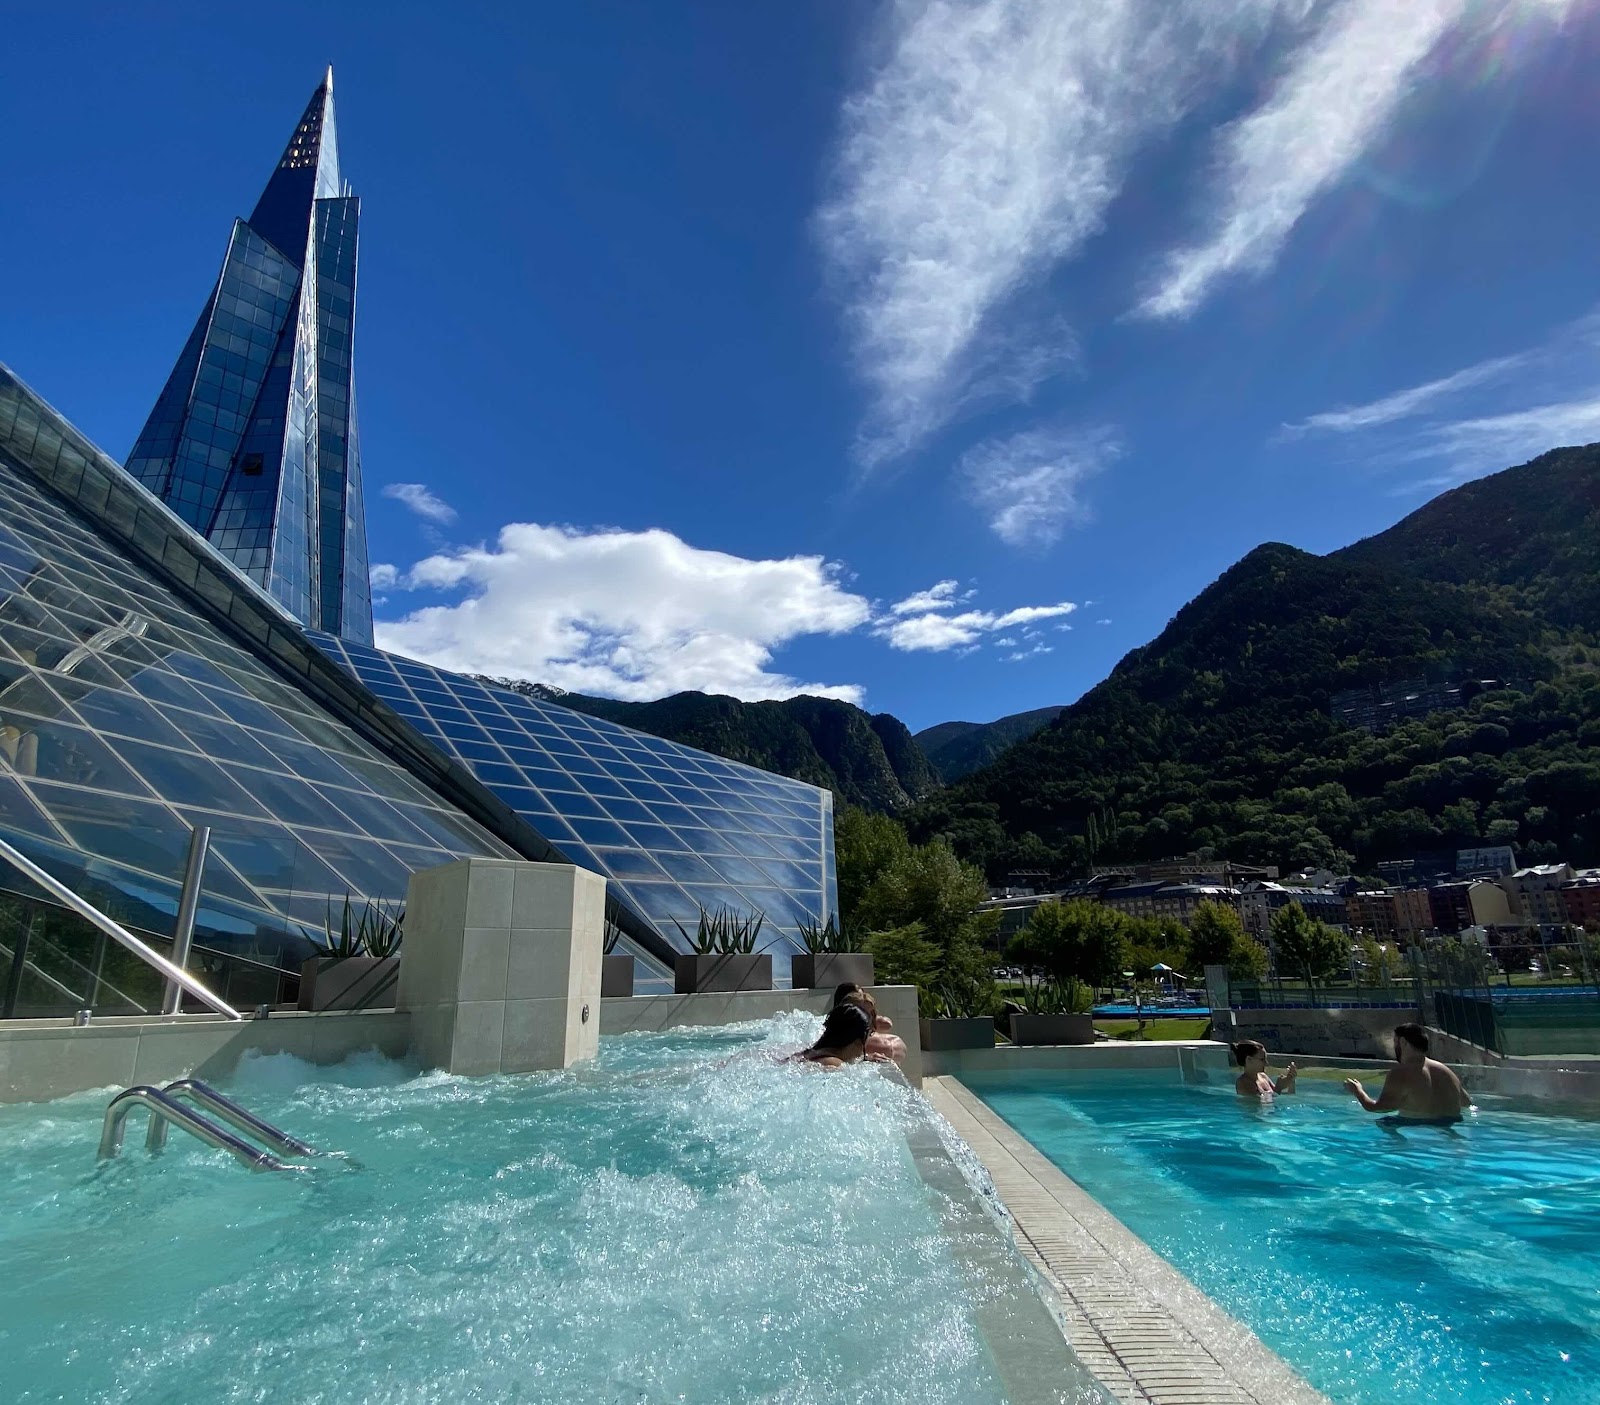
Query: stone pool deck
1137	1323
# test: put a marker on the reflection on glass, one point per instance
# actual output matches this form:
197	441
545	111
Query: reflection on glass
670	825
116	704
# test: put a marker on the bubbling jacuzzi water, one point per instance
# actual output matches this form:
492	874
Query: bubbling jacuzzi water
683	1219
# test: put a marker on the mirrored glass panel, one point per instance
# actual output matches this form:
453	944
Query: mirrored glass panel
673	829
126	719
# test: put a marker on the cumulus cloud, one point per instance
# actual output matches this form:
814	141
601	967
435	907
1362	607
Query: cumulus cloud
939	596
1027	484
422	500
936	630
982	150
384	576
632	615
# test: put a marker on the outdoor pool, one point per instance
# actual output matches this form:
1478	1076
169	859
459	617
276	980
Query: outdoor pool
683	1219
1459	1266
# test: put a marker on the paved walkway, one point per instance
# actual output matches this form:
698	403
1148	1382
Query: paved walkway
1148	1333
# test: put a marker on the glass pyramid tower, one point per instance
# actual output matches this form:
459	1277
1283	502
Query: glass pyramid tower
190	642
253	441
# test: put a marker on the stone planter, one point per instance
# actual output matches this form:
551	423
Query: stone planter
616	975
703	975
348	982
826	970
1052	1029
944	1035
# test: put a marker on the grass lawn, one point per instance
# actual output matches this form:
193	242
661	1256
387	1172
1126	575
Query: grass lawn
1153	1029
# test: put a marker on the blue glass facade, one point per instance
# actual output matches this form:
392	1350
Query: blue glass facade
252	441
127	716
190	642
673	829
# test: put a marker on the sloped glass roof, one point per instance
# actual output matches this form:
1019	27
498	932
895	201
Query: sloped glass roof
126	718
674	829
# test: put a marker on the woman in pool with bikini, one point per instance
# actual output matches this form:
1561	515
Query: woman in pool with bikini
1255	1081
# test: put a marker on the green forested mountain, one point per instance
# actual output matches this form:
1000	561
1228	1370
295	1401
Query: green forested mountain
957	749
868	760
1532	532
1218	733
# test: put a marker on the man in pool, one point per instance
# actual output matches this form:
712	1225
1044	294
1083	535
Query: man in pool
1417	1089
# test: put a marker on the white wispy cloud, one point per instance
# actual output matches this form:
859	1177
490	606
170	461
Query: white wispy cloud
1405	403
988	140
939	596
422	500
935	629
383	576
1489	415
1021	654
982	150
634	615
1504	440
1339	93
1027	484
1023	614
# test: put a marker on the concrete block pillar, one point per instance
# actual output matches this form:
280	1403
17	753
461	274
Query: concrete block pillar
501	965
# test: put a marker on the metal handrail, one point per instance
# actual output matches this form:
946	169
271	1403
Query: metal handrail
205	1096
116	931
163	1108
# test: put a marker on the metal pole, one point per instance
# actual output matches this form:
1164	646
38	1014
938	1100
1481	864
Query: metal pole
114	930
99	966
188	905
19	963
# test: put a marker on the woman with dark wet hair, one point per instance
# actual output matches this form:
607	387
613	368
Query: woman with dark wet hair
843	1039
883	1044
1255	1081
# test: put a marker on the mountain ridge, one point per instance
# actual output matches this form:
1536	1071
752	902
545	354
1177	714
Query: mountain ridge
1218	734
957	749
866	759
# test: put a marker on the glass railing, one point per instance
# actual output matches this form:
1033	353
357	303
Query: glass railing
54	963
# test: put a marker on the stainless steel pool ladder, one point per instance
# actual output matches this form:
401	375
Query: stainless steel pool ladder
170	1105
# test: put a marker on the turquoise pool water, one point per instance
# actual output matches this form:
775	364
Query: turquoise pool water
1457	1267
681	1220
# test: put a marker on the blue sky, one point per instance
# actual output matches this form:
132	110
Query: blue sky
932	354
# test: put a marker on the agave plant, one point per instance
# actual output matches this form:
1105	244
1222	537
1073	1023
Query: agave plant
375	931
824	939
956	1000
1045	995
723	932
383	930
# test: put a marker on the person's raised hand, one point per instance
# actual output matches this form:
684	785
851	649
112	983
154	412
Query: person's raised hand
1353	1085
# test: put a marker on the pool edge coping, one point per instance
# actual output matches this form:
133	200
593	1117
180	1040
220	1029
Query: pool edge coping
1136	1323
